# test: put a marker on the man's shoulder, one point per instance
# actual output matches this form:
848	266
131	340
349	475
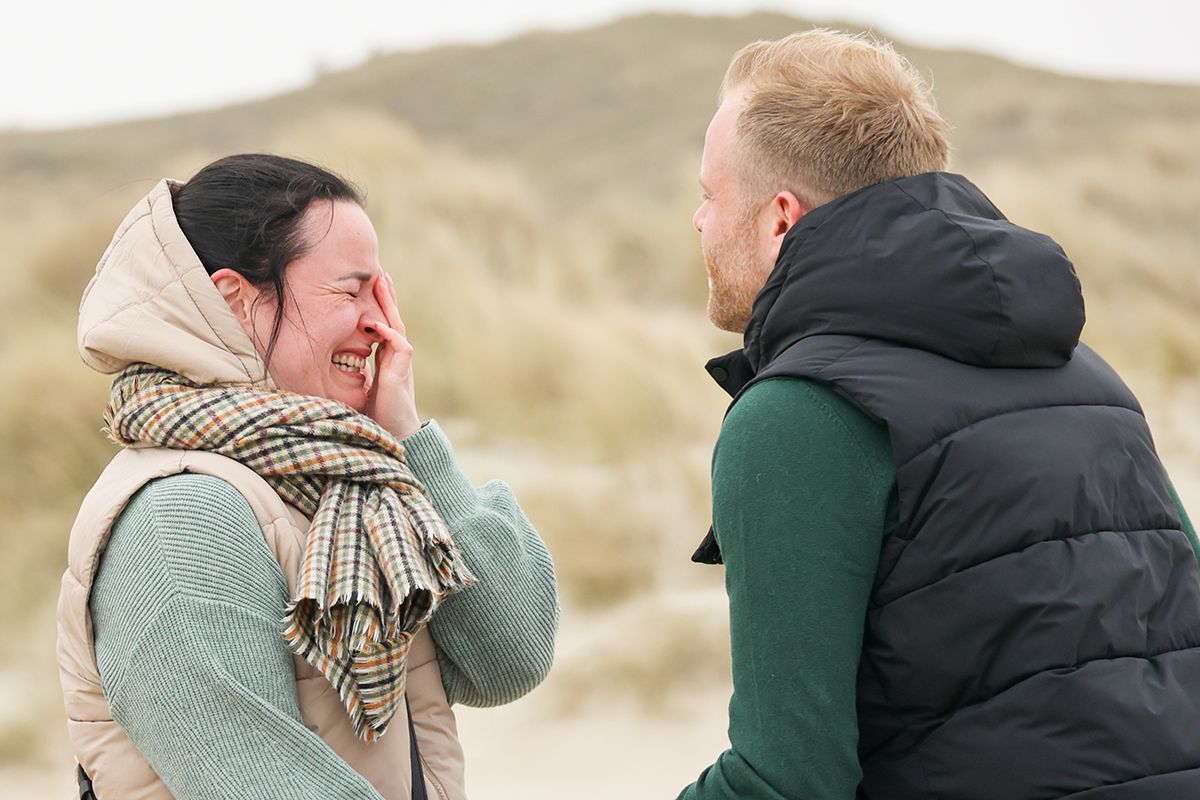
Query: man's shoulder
784	406
793	456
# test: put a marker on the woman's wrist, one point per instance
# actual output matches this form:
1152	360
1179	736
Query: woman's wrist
404	430
399	423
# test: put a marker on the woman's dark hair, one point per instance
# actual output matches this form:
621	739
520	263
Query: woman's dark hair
244	212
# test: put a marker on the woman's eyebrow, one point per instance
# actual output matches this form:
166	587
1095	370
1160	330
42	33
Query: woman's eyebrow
356	276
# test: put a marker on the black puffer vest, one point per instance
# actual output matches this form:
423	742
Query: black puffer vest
1034	628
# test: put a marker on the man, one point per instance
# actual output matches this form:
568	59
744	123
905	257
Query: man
955	565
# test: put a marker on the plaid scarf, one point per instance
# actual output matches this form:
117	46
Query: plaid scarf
378	558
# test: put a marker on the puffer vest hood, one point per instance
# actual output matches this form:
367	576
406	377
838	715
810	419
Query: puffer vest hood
151	301
1034	626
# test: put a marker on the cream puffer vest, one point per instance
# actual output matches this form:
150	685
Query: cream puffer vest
117	768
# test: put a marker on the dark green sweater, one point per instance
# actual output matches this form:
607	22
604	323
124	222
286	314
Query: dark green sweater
803	493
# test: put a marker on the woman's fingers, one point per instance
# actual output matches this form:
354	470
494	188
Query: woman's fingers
394	345
396	321
392	336
385	295
392	403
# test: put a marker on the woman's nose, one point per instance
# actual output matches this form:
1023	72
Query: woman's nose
370	320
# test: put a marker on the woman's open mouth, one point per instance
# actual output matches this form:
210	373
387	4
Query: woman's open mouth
349	363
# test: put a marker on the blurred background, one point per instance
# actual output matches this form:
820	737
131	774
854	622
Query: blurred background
531	172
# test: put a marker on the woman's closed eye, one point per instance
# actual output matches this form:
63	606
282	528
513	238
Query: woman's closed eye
354	293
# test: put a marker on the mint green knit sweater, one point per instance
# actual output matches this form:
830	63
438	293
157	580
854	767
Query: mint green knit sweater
186	608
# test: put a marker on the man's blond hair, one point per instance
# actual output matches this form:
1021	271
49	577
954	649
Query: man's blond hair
828	113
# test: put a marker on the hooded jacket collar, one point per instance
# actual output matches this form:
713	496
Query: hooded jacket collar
926	262
152	301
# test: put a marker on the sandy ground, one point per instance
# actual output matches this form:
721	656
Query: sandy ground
620	751
531	751
35	783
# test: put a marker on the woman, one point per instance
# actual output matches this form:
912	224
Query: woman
271	472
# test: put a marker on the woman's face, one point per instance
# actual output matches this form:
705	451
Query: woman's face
330	311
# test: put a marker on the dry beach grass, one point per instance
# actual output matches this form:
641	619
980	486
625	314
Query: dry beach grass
533	201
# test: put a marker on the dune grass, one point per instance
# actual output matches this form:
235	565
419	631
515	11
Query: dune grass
533	202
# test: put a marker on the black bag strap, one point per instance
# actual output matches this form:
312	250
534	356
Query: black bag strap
85	783
418	774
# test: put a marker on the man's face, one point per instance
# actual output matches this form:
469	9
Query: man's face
735	253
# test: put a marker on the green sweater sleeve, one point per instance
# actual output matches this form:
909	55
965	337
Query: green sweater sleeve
801	488
1188	528
186	609
495	639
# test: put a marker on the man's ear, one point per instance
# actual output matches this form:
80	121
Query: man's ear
784	211
239	293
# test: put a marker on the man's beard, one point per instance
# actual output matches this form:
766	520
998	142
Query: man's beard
734	278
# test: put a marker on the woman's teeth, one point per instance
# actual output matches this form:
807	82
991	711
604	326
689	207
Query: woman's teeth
349	363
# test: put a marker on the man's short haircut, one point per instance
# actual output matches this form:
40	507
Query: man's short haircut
828	113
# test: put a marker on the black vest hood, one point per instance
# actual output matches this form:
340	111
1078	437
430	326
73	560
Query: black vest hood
927	262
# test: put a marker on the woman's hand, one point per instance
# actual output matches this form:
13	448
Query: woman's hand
391	398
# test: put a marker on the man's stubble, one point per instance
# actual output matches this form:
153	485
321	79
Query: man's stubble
736	274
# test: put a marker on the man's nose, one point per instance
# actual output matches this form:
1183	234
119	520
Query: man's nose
698	219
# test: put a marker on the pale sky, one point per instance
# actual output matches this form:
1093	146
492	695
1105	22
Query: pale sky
64	64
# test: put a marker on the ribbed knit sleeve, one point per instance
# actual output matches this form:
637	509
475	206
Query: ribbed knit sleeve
1188	527
186	609
801	489
495	639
